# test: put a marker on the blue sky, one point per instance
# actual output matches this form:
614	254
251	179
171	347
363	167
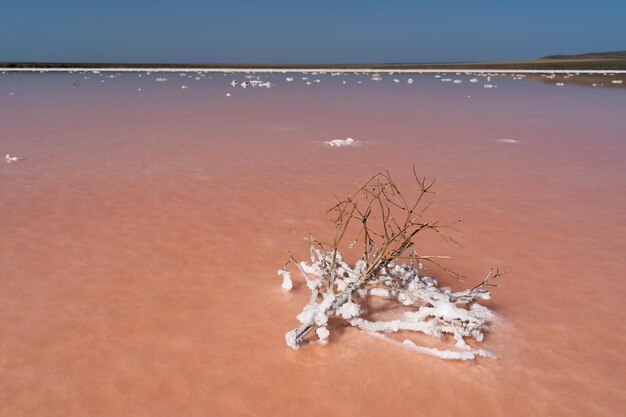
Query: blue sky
245	31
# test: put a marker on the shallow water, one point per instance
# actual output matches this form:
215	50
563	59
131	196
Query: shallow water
142	233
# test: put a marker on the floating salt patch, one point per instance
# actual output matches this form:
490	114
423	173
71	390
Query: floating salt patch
160	79
446	80
560	84
289	79
474	80
343	142
233	83
409	81
184	87
458	81
227	94
10	158
488	85
508	140
616	81
395	80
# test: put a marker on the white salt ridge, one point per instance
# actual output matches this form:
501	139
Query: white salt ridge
343	142
508	140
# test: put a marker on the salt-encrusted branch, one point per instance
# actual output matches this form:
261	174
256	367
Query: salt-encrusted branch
386	225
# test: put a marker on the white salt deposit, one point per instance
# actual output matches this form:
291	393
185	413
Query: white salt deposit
323	333
10	158
343	142
287	284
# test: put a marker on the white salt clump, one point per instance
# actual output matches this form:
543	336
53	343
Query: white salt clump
184	87
508	140
10	158
349	310
227	94
343	142
323	333
488	85
287	284
560	84
432	310
458	81
290	338
473	80
409	81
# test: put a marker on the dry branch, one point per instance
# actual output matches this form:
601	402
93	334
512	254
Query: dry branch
387	224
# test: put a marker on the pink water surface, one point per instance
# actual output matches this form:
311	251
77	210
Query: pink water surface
141	236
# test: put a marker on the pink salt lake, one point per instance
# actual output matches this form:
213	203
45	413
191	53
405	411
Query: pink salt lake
141	236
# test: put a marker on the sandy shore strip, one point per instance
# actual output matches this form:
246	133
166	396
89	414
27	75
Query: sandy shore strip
319	70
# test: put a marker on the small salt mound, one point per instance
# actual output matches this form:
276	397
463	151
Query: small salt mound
10	158
343	142
287	284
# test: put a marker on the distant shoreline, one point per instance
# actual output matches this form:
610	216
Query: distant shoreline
364	69
590	63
